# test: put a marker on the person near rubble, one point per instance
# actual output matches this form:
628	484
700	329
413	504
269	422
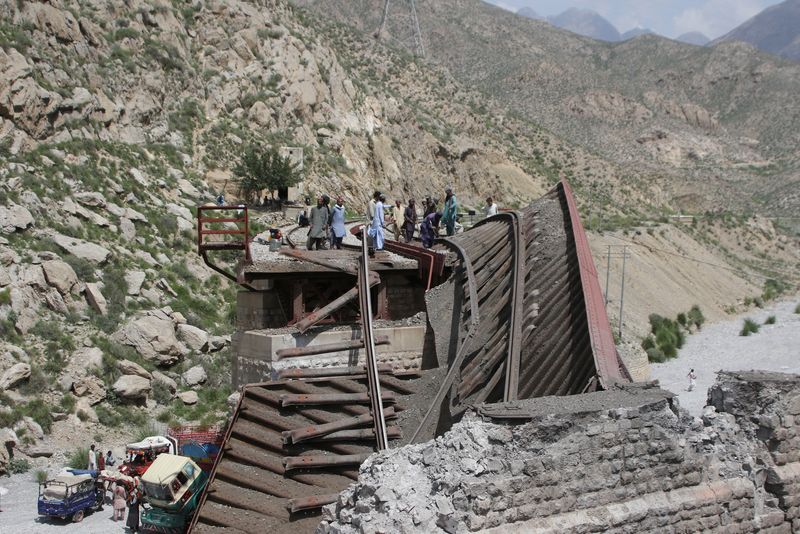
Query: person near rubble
134	499
409	220
376	227
692	379
318	226
119	501
491	207
337	224
110	460
429	228
450	211
428	206
371	205
397	218
92	463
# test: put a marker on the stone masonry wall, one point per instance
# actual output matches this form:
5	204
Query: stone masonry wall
615	461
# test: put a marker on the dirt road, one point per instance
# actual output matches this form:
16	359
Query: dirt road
720	347
20	515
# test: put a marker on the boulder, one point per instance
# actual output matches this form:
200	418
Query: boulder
95	200
216	343
91	388
14	375
82	249
132	387
31	427
195	338
153	336
60	275
96	299
188	397
186	188
127	228
61	24
83	405
135	279
194	376
180	211
14	218
171	385
38	451
132	368
85	360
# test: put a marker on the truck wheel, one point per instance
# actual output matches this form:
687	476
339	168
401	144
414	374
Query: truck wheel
77	517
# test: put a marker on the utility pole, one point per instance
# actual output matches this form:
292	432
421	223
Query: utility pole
402	25
608	272
622	288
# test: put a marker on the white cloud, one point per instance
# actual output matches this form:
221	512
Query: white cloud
717	17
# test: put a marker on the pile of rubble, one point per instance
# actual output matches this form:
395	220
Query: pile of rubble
628	460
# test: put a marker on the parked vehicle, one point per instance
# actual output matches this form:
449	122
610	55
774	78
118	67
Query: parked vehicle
172	487
70	496
139	456
200	444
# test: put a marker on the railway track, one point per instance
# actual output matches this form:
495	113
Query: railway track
525	318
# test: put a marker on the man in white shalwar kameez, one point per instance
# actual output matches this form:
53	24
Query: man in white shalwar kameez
376	227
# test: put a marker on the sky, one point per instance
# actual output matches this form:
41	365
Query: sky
670	18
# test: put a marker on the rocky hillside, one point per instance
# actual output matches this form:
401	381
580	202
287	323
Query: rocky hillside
775	30
117	119
712	127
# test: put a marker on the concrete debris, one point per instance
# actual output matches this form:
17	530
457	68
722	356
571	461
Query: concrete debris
625	460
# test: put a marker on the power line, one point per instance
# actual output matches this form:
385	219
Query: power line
696	260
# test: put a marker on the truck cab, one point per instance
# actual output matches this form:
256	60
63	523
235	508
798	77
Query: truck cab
172	486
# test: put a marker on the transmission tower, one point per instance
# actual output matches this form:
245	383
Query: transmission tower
399	23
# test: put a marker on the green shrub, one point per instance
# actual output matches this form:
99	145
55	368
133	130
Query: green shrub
668	336
770	320
107	416
161	393
18	465
797	309
696	317
5	296
79	458
772	288
681	318
82	415
40	475
68	403
749	327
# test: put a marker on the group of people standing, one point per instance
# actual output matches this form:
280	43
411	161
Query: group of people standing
122	496
327	222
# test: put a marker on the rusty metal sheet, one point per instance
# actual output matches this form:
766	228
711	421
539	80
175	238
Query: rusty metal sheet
610	368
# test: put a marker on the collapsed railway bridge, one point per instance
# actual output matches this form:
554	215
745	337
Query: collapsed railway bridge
509	310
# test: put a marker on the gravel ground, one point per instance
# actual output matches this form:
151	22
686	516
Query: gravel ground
19	514
720	347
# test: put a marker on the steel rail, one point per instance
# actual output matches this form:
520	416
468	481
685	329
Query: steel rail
373	378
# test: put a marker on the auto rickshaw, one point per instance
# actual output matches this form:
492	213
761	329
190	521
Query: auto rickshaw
70	496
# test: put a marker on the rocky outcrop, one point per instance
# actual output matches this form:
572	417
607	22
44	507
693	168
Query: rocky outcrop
128	367
132	387
91	388
82	249
194	376
152	334
195	338
14	218
60	275
188	397
95	298
15	375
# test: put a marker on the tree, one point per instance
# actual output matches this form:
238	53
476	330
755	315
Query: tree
259	169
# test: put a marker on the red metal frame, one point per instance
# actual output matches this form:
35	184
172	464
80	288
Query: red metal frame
609	366
243	230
